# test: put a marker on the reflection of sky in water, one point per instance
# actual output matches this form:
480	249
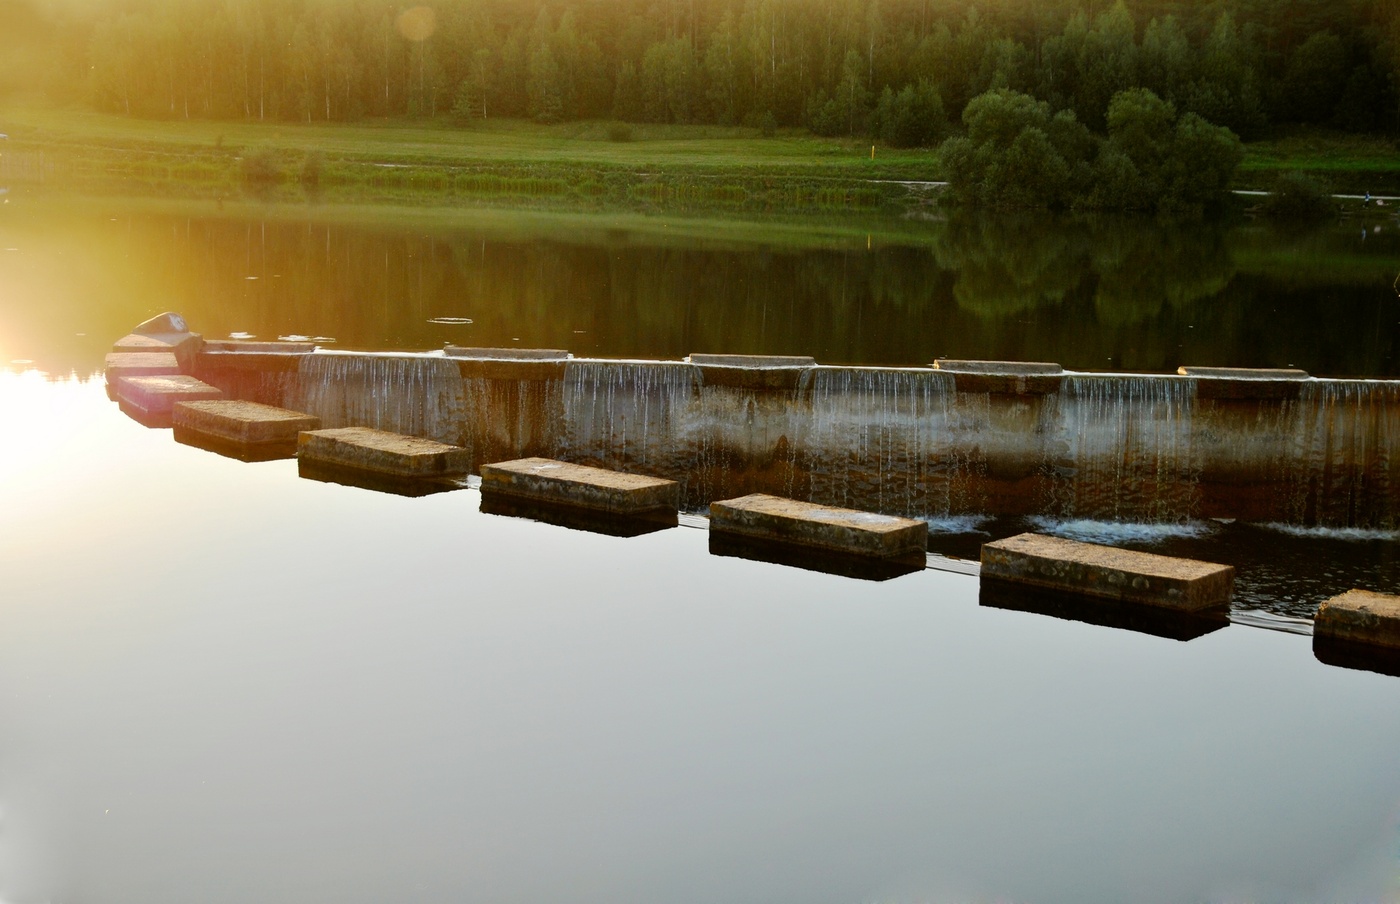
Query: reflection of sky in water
223	683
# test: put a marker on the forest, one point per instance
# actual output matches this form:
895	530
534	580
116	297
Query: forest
899	71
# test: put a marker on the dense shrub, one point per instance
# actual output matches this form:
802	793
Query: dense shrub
1298	197
1017	154
260	169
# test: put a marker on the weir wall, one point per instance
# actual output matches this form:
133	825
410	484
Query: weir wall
962	438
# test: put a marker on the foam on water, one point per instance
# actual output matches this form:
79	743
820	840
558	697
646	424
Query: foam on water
1349	534
959	524
1088	530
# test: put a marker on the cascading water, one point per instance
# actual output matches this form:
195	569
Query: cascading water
879	440
638	416
1340	440
417	395
1119	448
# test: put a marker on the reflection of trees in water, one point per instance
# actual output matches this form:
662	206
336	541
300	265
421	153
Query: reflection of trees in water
1143	266
1009	264
1091	294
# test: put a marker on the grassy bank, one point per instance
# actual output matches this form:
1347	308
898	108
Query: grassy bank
589	164
594	164
1348	164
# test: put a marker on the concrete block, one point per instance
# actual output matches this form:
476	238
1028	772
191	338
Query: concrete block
510	364
752	371
247	423
507	354
1245	384
171	333
140	364
586	487
253	346
151	399
1105	571
847	531
184	346
1243	373
366	449
1360	616
1006	377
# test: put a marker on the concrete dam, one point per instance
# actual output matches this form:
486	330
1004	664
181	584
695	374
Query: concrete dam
959	439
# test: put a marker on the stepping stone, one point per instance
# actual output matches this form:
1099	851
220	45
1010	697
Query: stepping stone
140	364
154	397
788	521
1360	616
562	483
245	423
1108	572
387	453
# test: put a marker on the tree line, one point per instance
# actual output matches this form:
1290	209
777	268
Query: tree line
897	70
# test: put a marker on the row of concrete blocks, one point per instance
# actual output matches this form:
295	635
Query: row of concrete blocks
763	526
1065	573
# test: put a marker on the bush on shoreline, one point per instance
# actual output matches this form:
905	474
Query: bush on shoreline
1018	154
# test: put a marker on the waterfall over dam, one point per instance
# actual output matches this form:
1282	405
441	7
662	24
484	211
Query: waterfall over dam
954	440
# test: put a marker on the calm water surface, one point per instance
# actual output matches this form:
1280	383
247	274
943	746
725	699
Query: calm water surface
220	682
1089	294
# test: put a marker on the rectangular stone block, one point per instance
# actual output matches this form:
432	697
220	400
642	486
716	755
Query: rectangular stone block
1105	571
506	354
586	487
140	364
1360	616
383	452
155	396
753	371
1243	373
184	346
848	531
1006	377
1014	368
254	346
248	423
1245	383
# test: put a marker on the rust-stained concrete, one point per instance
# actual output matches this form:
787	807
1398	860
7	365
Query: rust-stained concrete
583	486
387	453
1360	616
250	423
852	532
1106	571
